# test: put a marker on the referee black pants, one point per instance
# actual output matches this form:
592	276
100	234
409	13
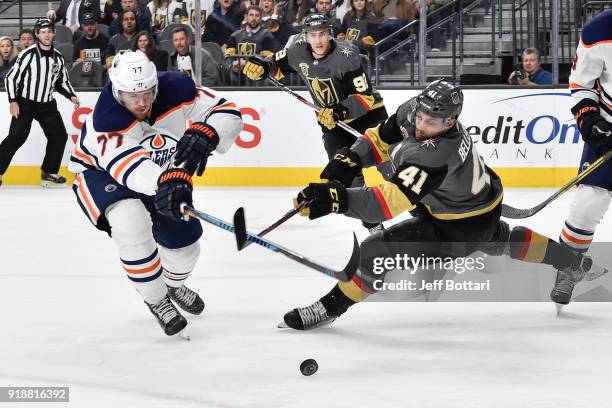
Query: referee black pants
50	121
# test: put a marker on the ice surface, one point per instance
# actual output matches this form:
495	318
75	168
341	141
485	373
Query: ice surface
71	318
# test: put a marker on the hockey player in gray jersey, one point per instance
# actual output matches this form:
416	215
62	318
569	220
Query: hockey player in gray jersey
332	71
440	177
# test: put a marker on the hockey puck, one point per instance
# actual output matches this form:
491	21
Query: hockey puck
309	367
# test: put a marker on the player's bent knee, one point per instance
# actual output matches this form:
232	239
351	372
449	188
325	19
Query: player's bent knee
180	260
130	222
588	207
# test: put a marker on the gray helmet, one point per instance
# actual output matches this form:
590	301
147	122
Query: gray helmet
316	21
441	99
42	23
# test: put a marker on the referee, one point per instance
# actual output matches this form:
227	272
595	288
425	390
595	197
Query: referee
37	72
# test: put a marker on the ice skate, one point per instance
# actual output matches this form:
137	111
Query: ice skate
52	180
186	299
582	269
168	317
307	318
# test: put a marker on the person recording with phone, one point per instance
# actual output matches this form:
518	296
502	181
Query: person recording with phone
530	72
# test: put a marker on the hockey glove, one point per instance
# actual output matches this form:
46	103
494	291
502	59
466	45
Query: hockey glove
344	167
328	117
326	198
174	187
595	130
195	146
257	68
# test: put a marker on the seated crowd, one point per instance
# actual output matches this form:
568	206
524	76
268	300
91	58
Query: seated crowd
232	30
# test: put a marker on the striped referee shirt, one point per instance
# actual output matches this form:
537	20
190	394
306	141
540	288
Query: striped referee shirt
36	74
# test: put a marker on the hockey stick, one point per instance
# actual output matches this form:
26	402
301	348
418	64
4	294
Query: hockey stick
243	243
312	105
517	213
345	274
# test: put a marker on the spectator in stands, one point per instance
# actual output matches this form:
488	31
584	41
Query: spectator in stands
224	20
324	7
359	25
142	16
8	53
229	11
144	42
164	13
93	44
531	71
273	21
252	40
111	10
296	11
182	59
26	38
69	11
123	39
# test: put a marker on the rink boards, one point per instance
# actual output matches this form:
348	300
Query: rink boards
528	136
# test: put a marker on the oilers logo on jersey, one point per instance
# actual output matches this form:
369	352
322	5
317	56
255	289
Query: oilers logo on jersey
162	147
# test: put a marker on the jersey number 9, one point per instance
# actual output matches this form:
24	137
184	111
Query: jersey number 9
360	83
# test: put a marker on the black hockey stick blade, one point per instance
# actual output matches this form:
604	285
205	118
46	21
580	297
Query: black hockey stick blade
345	274
518	213
240	225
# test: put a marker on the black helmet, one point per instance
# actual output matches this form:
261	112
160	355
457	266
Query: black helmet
43	23
441	99
316	22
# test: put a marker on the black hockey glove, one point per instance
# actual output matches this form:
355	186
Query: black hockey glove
344	167
326	198
195	146
174	187
257	68
595	130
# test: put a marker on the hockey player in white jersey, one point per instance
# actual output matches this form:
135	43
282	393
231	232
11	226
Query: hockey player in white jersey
143	123
591	87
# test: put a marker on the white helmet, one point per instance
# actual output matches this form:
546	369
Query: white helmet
132	71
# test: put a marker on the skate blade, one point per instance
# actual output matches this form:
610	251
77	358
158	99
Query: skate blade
283	325
50	184
184	334
595	273
559	308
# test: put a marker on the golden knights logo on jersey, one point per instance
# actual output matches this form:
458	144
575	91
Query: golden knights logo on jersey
323	90
352	34
192	16
162	147
246	48
304	68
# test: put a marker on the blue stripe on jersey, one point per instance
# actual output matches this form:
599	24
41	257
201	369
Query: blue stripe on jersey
140	261
229	111
599	28
150	278
122	155
221	101
174	88
573	91
605	108
606	95
82	163
129	171
82	145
